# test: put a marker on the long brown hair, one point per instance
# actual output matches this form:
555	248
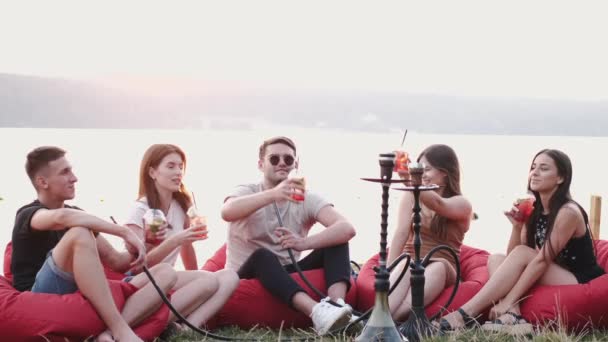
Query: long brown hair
152	158
560	197
443	158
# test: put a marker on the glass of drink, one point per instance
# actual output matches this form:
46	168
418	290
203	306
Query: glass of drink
401	160
299	195
525	205
154	219
197	220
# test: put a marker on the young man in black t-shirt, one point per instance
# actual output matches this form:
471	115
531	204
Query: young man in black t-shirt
57	249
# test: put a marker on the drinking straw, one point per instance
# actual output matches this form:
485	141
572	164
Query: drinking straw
193	199
403	139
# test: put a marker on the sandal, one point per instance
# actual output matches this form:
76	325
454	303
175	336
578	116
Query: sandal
469	322
519	326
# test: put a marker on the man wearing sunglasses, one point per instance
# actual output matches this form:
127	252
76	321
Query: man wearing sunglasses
257	243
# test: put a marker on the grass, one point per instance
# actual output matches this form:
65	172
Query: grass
544	334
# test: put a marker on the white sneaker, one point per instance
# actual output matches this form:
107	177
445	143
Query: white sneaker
353	317
326	317
341	302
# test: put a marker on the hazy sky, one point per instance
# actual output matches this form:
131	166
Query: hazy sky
554	49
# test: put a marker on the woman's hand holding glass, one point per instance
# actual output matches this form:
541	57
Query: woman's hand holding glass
404	175
198	222
199	226
157	234
521	210
155	226
196	231
193	233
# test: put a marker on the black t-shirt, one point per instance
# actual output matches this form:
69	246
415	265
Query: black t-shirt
30	246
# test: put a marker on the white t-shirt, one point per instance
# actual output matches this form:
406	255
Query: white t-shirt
257	230
176	218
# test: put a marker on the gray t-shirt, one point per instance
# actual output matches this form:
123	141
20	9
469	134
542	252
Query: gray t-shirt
257	230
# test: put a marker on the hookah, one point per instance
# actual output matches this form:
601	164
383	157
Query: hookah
380	326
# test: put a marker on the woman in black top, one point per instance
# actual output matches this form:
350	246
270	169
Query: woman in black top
552	247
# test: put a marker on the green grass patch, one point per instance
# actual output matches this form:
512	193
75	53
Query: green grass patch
546	334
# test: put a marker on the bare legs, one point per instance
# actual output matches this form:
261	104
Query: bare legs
397	298
77	253
504	274
201	294
400	301
494	261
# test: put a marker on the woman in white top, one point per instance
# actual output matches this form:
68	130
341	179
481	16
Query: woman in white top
200	293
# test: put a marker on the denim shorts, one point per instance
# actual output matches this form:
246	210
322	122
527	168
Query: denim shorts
52	279
128	277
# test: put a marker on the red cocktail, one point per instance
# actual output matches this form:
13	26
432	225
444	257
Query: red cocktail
401	161
525	205
299	195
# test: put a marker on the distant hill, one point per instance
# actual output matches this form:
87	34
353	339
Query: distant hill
27	101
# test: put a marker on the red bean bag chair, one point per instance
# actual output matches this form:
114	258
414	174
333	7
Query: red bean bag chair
576	306
474	274
27	316
251	305
7	262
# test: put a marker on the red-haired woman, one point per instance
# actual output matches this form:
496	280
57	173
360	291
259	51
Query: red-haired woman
199	294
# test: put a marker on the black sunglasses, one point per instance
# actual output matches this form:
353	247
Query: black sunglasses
275	159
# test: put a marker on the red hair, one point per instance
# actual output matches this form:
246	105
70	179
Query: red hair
152	158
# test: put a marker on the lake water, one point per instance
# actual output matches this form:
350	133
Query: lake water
494	172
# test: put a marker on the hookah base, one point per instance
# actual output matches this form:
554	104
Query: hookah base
416	329
380	334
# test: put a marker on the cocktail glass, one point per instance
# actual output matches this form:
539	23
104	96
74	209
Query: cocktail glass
299	195
198	220
525	205
401	160
154	219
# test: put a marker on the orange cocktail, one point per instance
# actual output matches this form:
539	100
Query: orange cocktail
198	220
401	160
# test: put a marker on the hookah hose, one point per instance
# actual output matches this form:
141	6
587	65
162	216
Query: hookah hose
206	333
179	316
182	319
361	317
200	331
425	262
299	270
390	268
